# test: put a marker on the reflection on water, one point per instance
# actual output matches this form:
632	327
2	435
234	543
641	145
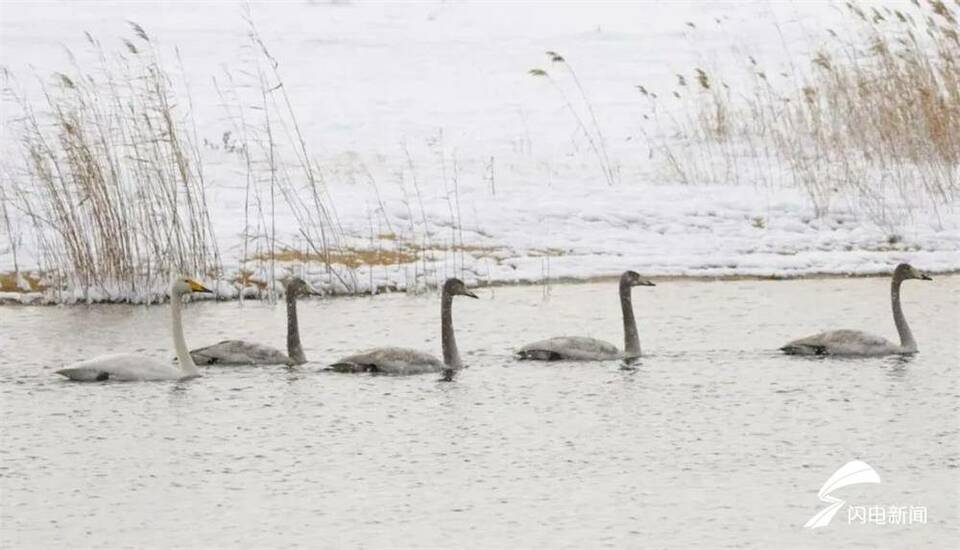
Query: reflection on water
711	438
629	364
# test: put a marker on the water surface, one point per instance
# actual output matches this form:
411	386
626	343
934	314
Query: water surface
713	440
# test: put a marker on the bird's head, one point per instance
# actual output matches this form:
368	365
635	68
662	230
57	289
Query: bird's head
455	287
186	285
632	278
295	286
907	271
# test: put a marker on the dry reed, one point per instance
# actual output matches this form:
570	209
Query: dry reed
876	117
109	181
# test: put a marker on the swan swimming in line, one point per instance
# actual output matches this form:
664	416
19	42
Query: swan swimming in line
582	348
130	366
240	352
408	361
857	343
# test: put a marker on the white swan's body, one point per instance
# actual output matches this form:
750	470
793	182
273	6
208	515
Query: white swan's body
854	343
582	348
130	366
401	361
123	367
241	352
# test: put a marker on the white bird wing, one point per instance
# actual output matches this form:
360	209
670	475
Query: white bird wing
390	361
239	352
122	366
577	348
841	342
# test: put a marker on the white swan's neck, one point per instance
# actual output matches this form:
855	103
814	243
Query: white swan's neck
294	349
451	357
183	354
907	342
631	339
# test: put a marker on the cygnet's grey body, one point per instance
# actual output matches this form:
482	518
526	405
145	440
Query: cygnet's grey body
583	348
241	352
392	360
861	344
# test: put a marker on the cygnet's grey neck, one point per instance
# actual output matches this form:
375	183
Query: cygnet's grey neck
451	357
903	329
294	349
631	338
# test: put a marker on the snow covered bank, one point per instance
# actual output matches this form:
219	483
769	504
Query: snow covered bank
580	234
433	152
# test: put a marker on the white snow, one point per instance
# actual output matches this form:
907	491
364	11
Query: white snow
447	83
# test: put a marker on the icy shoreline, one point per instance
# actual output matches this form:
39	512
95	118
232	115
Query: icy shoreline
39	298
580	233
225	292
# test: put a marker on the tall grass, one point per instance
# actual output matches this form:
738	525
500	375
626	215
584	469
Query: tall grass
875	116
283	177
110	183
592	131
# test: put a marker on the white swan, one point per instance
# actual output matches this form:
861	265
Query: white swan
856	343
129	366
240	352
408	361
582	348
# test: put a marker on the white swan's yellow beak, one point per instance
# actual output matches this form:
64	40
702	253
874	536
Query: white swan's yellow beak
197	287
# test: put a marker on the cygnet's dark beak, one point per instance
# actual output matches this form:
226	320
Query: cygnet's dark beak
466	292
645	283
308	289
925	277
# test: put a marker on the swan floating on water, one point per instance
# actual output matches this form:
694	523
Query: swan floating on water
857	343
582	348
130	366
240	352
408	361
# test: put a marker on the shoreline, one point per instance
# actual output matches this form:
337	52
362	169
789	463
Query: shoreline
36	299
